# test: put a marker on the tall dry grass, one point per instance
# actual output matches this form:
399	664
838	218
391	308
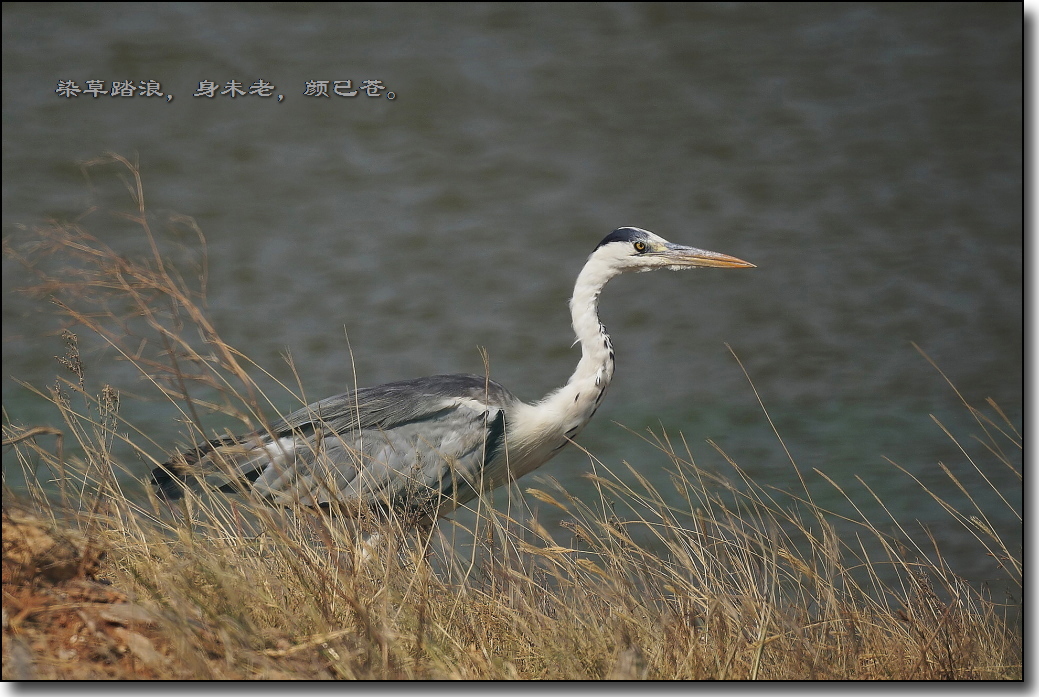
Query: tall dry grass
738	582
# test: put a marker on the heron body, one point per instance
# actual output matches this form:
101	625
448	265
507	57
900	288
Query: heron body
424	447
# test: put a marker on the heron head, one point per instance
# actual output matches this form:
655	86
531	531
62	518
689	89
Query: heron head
635	249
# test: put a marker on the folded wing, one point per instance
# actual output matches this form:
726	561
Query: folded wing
412	444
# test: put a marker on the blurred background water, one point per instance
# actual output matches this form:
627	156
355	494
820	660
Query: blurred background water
867	157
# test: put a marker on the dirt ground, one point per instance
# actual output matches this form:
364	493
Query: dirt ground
60	619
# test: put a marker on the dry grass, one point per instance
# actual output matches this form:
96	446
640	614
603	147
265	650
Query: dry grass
737	582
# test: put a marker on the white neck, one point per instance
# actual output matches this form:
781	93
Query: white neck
595	369
540	429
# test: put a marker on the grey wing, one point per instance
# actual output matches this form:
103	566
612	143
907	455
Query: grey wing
416	443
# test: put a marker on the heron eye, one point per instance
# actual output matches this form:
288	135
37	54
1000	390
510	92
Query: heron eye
640	247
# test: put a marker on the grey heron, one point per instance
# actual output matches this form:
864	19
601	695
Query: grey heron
418	449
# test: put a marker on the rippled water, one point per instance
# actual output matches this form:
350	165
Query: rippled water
868	158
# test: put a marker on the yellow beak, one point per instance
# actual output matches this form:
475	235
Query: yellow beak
677	255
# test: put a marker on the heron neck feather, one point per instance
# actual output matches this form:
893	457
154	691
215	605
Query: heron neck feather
545	426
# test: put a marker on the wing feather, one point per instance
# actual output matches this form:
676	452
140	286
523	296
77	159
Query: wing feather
405	444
